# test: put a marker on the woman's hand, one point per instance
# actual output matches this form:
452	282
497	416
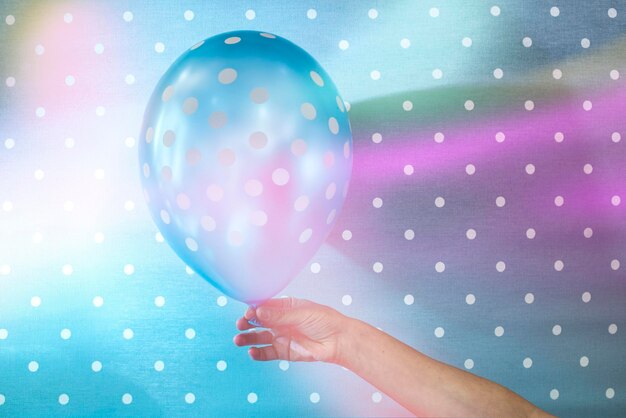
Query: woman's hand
295	330
300	330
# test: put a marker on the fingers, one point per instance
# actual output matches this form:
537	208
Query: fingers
254	338
267	353
243	324
283	303
283	312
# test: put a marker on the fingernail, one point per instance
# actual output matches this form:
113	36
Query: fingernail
250	313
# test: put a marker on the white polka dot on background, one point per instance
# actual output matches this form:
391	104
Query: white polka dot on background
377	397
554	394
64	399
127	399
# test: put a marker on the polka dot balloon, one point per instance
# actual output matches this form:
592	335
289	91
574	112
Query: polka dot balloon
245	160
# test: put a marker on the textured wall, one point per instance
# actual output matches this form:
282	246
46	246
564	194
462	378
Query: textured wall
485	223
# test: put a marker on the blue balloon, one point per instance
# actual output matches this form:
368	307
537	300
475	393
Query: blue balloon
245	156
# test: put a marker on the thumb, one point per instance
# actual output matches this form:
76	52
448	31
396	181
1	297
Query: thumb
282	312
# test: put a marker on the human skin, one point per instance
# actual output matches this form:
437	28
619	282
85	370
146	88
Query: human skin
300	330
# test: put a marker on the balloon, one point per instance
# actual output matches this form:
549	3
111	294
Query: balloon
245	158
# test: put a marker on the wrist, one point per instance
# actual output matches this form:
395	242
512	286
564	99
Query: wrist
350	333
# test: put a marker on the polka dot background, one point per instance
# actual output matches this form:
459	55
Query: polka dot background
484	224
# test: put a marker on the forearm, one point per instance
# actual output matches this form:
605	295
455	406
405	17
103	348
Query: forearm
421	384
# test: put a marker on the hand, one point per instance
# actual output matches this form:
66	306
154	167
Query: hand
296	330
